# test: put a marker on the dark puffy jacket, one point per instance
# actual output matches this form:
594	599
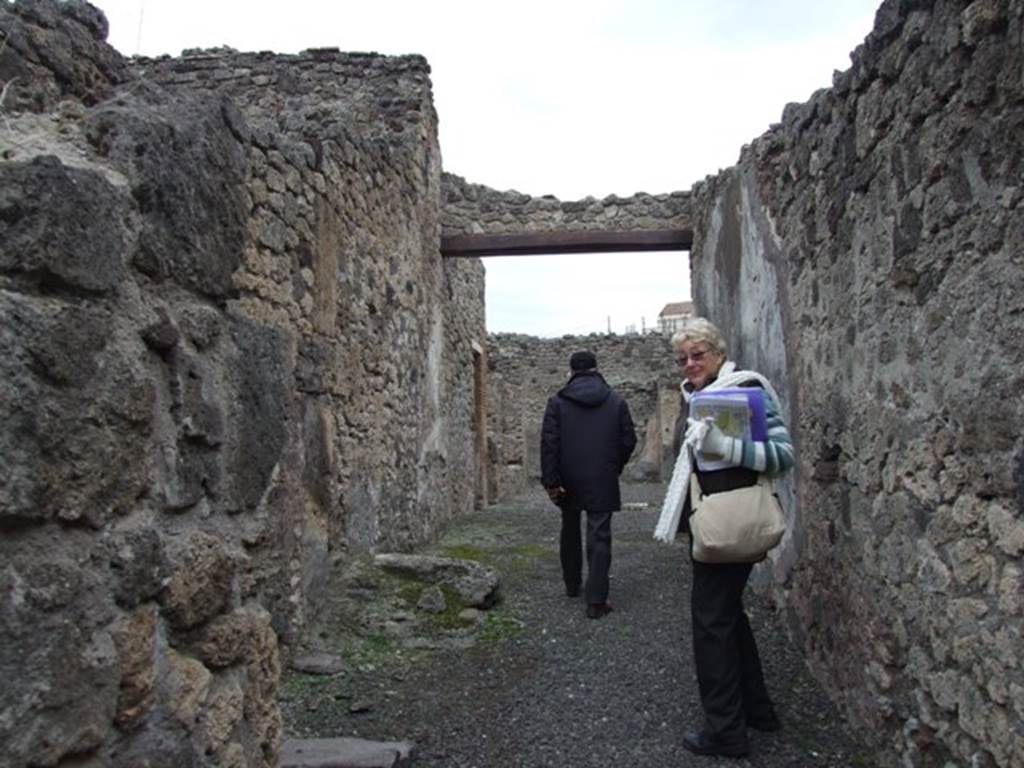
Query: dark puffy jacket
586	439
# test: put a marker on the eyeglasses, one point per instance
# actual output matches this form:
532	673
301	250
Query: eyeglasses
695	356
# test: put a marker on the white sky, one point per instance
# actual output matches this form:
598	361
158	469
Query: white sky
564	97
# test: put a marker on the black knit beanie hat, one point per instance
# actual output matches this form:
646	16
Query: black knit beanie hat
582	361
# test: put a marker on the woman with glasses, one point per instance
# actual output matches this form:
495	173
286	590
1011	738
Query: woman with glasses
732	689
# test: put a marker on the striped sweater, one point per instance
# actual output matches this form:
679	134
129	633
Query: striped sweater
773	456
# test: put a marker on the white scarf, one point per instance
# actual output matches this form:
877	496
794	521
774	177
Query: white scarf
678	486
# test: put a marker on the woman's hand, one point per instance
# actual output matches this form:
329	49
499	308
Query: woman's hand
704	435
695	433
715	442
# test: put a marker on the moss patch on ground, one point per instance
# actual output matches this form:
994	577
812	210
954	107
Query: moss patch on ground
500	624
299	685
449	618
466	552
533	550
501	558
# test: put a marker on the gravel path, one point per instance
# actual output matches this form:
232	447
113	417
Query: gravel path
545	686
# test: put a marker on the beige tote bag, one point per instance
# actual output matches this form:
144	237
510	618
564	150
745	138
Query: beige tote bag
737	526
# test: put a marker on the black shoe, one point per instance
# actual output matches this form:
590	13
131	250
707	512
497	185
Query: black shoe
597	610
572	591
768	723
702	743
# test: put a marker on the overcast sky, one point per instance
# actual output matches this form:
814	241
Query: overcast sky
562	97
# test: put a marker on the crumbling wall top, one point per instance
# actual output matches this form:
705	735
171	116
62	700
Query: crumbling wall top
50	52
310	91
470	209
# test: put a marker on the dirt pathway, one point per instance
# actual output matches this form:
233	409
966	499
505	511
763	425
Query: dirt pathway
534	682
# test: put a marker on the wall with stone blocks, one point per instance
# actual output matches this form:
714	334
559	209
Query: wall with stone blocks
231	355
867	254
472	209
525	370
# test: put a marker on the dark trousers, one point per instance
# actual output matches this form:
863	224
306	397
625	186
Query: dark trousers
599	553
729	676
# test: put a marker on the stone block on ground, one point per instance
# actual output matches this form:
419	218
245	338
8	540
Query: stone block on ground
345	753
318	663
475	583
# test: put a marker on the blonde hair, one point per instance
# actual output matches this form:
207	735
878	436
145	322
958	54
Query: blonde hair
700	329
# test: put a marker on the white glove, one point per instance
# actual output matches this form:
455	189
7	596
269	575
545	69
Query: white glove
695	433
716	444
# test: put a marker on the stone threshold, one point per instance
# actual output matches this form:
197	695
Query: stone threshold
345	753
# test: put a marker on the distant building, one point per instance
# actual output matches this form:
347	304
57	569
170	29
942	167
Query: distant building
672	317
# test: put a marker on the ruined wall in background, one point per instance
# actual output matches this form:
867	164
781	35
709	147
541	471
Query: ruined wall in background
525	370
867	254
471	209
231	354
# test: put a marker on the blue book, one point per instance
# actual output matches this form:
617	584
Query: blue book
737	411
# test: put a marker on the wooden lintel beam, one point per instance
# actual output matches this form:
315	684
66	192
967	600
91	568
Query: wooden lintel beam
605	241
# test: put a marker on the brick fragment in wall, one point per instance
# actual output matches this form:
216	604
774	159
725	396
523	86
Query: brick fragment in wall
199	584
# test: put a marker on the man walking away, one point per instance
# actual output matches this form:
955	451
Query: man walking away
586	439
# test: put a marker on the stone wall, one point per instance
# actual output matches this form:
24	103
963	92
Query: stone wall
524	371
231	354
867	254
313	95
470	209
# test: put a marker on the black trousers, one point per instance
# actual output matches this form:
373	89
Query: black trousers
729	676
599	553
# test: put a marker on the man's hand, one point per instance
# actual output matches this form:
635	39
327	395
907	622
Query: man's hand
556	494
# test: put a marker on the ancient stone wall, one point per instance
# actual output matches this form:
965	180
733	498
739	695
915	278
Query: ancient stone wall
470	209
313	94
524	371
231	355
867	254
